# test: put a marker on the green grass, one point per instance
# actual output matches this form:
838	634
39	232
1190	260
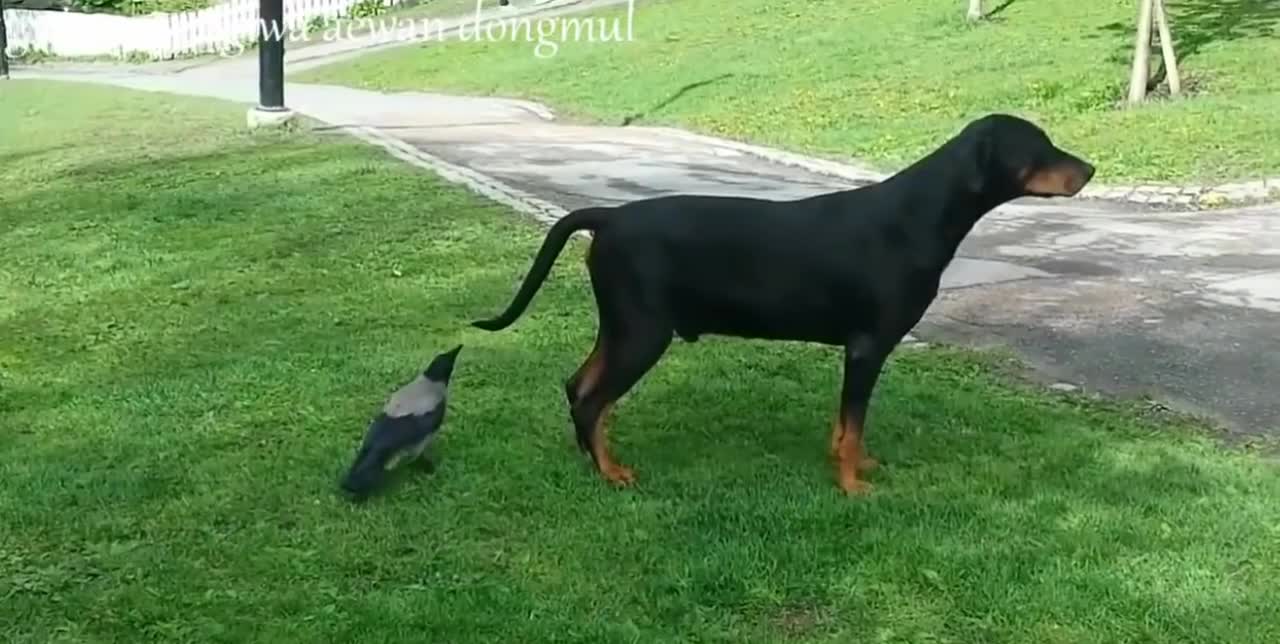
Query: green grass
887	80
198	321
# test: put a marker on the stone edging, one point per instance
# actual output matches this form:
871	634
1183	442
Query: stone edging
1153	194
1191	195
519	200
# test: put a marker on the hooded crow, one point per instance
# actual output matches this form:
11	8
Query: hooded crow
401	431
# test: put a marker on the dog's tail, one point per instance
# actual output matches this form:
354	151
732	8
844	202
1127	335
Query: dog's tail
552	244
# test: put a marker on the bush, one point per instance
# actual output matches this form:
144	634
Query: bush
40	5
367	9
119	7
143	7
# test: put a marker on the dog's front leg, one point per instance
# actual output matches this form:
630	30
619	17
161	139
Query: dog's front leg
863	360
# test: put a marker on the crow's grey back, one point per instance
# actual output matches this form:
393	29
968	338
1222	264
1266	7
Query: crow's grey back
421	396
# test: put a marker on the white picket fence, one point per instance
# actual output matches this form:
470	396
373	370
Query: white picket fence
159	35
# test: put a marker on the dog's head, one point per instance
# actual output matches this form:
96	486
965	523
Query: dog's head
1012	157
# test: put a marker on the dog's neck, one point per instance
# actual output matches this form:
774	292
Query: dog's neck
961	208
964	211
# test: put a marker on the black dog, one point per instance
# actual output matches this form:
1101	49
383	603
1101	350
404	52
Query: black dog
854	268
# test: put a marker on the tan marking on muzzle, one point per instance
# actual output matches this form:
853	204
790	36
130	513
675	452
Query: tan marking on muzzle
1060	181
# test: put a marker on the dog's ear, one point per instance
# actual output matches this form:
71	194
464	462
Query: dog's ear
977	167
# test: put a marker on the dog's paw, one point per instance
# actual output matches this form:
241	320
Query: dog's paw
619	475
867	464
855	487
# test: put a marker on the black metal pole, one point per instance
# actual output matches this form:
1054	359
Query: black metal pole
271	55
4	45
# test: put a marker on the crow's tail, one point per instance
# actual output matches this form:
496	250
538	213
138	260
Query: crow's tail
366	472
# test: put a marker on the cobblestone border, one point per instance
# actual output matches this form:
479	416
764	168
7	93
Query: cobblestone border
481	184
1193	197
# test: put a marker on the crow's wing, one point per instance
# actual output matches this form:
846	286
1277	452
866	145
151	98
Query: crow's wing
419	397
398	433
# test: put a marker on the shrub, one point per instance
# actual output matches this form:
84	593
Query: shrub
367	9
119	7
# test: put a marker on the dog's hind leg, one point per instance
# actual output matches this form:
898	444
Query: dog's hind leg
587	374
864	358
629	356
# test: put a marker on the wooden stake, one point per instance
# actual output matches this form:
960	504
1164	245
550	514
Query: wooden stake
975	10
1141	54
1166	49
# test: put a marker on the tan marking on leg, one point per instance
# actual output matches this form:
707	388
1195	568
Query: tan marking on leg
590	371
610	469
848	456
837	431
866	462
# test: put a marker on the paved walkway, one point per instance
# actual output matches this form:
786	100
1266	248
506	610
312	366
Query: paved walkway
1109	296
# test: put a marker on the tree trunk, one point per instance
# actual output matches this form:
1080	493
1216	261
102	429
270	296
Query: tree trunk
1141	54
1166	49
975	10
4	45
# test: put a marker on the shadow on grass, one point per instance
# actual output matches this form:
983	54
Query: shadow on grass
1197	23
673	98
999	9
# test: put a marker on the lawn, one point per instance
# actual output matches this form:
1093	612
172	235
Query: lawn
886	80
198	321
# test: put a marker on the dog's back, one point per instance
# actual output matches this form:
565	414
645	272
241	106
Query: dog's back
809	269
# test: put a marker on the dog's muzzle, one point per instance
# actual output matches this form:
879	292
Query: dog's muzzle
1064	179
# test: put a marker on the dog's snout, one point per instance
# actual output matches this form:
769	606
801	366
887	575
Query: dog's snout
1064	178
1084	176
1088	171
